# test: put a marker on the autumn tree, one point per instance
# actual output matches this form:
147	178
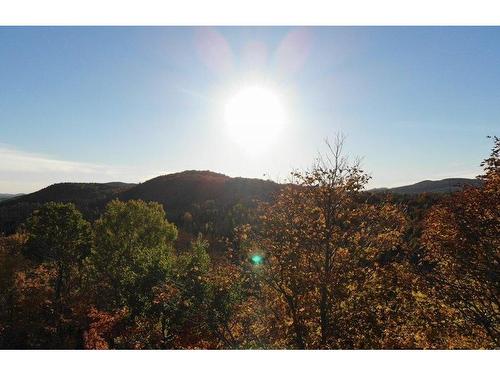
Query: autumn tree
60	239
321	243
462	242
27	318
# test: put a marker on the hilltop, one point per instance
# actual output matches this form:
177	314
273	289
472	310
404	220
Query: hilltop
204	194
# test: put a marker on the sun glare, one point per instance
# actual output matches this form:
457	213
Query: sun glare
254	117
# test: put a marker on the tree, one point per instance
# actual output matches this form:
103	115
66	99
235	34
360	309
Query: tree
183	298
131	255
462	241
59	239
321	243
12	263
199	300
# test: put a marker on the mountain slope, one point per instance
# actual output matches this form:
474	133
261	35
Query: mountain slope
90	199
73	191
4	197
185	191
447	185
207	196
214	202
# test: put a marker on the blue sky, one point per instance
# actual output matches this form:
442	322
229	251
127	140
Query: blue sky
104	104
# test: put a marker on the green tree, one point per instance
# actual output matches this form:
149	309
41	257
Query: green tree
132	253
199	302
183	298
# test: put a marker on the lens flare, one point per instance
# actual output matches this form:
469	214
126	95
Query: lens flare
257	259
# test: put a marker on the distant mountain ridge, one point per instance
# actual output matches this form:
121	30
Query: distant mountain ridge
201	192
90	198
178	192
447	185
70	191
4	196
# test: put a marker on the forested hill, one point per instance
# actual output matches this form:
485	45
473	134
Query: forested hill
90	198
73	192
211	198
4	197
180	192
195	200
447	185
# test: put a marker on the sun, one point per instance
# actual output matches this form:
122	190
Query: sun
254	117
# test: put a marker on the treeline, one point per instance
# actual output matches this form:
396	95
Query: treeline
195	201
324	265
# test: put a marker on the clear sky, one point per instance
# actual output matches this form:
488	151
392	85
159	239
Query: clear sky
105	104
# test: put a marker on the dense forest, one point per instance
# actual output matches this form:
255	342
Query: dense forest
317	263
